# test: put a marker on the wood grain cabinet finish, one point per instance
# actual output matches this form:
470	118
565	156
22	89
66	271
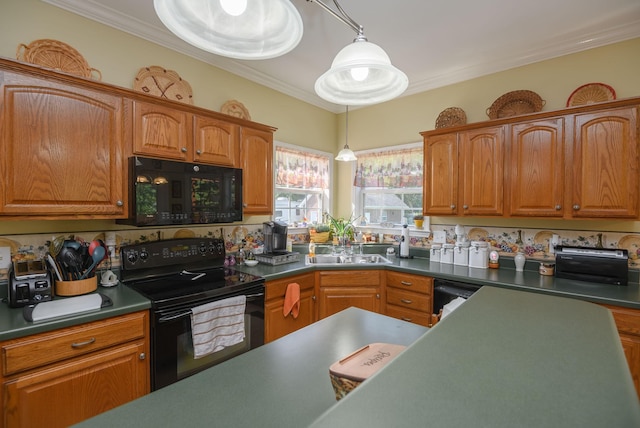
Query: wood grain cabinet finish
161	131
339	290
577	163
409	297
628	324
60	378
276	324
61	149
216	142
256	157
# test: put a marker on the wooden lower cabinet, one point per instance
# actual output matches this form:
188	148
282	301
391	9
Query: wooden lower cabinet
276	324
60	378
628	324
339	290
409	297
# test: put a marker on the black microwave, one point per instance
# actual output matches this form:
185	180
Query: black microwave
164	192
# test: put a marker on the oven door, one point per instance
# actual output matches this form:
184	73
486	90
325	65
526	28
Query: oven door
172	347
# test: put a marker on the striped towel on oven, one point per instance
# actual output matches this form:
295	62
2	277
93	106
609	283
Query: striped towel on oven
217	325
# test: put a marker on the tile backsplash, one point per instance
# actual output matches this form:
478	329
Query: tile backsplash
535	242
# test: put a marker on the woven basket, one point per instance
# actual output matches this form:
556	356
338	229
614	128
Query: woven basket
515	103
58	56
319	237
342	386
452	116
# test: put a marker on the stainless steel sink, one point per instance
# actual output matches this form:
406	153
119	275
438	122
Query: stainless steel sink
332	260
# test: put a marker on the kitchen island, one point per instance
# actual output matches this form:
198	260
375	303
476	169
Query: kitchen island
504	358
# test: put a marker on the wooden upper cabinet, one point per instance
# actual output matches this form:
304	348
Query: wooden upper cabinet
161	131
256	154
216	142
440	186
535	169
604	164
481	174
61	149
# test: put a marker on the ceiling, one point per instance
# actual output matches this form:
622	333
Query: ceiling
436	42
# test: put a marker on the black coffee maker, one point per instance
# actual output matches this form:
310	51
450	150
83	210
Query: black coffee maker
275	237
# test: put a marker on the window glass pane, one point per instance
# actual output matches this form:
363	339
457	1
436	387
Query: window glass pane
388	184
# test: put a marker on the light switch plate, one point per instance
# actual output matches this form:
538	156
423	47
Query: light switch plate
439	236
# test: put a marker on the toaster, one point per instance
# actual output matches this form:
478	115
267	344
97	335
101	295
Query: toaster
29	282
606	266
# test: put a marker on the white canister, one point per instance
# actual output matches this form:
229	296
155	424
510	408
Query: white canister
478	255
461	255
446	253
434	254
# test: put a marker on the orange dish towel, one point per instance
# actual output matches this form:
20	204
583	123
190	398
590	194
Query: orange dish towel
292	300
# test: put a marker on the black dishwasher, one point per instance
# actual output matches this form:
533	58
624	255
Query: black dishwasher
446	290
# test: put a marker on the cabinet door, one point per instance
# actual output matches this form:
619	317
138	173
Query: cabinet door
481	174
340	290
256	153
70	392
275	323
161	131
61	149
604	164
441	174
535	169
216	142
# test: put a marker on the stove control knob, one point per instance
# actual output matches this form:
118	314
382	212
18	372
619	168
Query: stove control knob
144	255
202	249
132	256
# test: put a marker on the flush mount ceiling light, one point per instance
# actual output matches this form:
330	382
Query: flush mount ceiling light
361	73
240	29
346	154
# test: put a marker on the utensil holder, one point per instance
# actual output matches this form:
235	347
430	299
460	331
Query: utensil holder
76	288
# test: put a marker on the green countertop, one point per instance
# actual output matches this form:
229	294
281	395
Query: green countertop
502	359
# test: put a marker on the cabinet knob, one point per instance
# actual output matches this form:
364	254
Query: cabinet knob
453	207
142	356
377	296
244	205
199	152
576	207
313	298
466	207
183	150
558	207
119	203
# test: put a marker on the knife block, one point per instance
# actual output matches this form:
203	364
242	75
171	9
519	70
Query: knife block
76	288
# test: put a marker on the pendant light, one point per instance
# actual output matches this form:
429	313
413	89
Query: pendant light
346	154
240	29
361	73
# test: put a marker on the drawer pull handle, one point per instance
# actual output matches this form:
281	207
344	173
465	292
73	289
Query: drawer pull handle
407	301
83	344
406	319
407	283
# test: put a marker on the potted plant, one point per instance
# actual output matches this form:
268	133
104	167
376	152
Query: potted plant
342	229
418	219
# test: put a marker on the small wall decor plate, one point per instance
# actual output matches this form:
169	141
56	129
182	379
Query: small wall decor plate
163	83
236	109
56	55
591	93
515	103
451	116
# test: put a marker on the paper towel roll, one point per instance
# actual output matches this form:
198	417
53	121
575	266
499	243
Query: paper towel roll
404	242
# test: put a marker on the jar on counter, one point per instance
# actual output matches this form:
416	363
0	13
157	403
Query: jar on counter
434	253
519	260
446	254
547	269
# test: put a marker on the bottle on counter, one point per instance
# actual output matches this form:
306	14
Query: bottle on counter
519	260
312	249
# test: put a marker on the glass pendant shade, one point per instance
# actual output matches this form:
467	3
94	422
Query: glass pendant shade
361	74
240	29
346	155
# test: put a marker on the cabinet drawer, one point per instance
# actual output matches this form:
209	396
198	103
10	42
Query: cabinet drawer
46	348
277	288
408	299
627	319
419	284
349	278
409	315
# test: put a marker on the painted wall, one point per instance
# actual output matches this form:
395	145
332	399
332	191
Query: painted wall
119	56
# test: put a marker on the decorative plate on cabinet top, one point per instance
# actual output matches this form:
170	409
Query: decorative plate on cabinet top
451	116
591	93
236	109
515	103
163	83
56	55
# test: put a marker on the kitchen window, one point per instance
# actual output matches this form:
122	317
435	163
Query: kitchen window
388	184
302	183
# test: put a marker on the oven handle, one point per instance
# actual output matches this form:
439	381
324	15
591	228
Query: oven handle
180	314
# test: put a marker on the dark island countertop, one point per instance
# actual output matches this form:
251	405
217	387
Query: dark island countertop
502	359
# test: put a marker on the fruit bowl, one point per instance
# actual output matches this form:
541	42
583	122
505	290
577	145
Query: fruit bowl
250	263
